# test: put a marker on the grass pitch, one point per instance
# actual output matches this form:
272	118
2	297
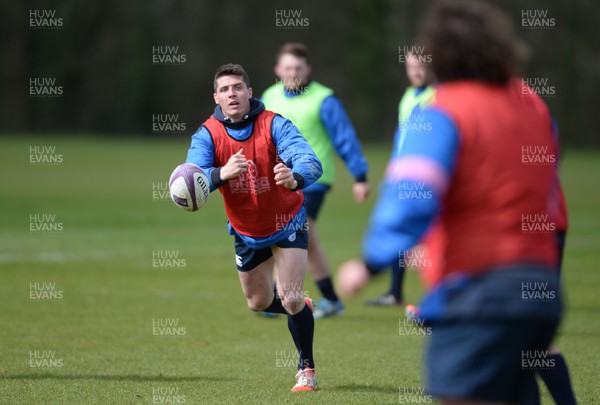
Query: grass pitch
112	295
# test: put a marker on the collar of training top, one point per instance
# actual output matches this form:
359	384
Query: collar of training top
256	107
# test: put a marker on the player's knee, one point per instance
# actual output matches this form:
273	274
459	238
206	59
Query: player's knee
257	304
553	350
315	251
293	302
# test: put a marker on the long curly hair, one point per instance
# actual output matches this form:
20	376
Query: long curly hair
470	40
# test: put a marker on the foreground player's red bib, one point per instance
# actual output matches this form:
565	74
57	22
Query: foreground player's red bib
255	205
500	208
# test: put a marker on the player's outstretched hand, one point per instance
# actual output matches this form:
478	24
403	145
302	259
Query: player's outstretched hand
284	176
235	166
352	276
360	191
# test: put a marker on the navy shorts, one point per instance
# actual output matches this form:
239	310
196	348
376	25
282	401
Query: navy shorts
313	200
487	360
247	258
492	333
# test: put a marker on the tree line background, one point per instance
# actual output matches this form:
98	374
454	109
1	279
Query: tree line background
102	58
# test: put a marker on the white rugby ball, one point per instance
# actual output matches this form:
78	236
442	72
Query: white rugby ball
189	187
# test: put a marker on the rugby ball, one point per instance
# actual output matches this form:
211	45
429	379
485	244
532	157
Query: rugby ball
189	187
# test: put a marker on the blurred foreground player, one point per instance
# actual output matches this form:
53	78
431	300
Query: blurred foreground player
259	162
493	298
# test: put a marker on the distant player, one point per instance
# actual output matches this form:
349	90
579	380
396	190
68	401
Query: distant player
416	97
321	119
259	162
494	299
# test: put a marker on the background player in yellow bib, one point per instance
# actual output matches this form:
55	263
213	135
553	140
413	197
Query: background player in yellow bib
321	119
418	95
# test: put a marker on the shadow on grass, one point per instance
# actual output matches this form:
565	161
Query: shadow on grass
126	377
385	389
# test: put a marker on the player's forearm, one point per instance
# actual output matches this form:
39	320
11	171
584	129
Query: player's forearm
201	153
296	153
355	161
343	137
349	149
398	223
308	171
216	178
211	172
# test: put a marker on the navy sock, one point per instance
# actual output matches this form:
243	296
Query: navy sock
276	306
558	381
532	393
302	328
397	280
326	287
294	333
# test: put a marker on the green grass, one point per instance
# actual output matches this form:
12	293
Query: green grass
101	329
